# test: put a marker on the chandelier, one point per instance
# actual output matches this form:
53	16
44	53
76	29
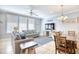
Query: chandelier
62	17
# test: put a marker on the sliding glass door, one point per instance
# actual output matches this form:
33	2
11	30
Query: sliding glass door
31	24
22	23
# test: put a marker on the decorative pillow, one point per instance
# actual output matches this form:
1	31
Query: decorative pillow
22	35
17	37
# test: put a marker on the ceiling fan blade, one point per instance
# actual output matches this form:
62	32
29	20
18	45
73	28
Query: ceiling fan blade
34	14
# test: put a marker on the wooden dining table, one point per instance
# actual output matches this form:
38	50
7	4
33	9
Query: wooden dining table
72	39
71	42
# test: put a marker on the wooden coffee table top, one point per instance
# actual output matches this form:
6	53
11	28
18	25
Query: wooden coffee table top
28	45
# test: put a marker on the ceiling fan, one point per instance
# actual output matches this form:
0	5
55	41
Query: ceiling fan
32	13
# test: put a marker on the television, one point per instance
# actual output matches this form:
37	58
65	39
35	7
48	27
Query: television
50	26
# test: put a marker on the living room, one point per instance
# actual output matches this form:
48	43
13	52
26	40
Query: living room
36	22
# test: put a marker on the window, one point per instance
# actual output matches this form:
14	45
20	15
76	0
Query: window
22	23
12	21
31	24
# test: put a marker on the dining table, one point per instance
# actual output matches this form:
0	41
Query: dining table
71	42
70	39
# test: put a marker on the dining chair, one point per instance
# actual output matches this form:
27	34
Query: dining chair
56	39
62	45
71	46
55	36
71	33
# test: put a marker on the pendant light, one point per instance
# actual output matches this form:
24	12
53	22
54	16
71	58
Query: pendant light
62	17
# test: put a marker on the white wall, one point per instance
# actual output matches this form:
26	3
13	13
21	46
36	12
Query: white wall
44	21
64	27
2	26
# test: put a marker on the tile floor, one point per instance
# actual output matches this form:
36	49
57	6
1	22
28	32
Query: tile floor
5	46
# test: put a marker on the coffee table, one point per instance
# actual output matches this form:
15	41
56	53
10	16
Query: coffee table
30	46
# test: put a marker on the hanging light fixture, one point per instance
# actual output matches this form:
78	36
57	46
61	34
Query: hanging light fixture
62	17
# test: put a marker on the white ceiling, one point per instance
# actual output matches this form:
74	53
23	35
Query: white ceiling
41	10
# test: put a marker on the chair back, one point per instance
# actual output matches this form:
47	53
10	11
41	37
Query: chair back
62	42
57	33
56	39
71	33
